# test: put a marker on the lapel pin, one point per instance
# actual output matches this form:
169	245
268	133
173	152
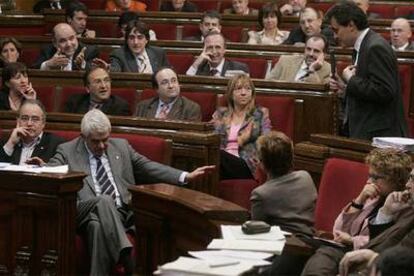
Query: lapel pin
117	157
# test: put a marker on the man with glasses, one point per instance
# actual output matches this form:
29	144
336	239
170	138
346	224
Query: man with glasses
28	140
168	104
98	95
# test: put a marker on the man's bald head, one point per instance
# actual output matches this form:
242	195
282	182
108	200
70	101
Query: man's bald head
64	39
400	32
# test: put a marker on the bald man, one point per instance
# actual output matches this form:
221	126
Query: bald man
65	52
400	35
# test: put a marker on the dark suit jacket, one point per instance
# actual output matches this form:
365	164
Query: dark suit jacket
187	7
45	149
204	69
297	35
79	103
183	109
44	4
125	163
123	60
48	52
373	95
4	100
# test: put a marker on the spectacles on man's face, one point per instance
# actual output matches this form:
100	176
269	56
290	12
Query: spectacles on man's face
375	176
26	119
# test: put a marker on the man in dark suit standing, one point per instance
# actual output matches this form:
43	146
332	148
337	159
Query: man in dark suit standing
98	87
65	53
211	61
136	55
28	140
371	85
110	164
168	104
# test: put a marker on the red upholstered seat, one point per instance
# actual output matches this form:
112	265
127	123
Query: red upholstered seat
232	33
66	134
35	30
46	94
164	31
29	56
205	5
127	93
95	4
384	10
66	93
206	100
256	66
104	28
402	11
342	180
180	62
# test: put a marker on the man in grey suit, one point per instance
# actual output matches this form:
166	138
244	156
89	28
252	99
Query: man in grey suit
310	67
110	164
136	55
168	104
371	85
211	61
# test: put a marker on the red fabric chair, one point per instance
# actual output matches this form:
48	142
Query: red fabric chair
46	94
65	94
95	4
164	31
29	56
205	5
22	31
256	66
403	11
129	94
384	10
206	100
180	62
342	180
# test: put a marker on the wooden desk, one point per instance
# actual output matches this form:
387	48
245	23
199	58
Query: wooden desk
37	222
172	220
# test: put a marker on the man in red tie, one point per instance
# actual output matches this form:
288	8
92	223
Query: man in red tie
168	104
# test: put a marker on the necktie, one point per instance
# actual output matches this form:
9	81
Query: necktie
354	56
305	74
141	64
103	180
163	112
213	71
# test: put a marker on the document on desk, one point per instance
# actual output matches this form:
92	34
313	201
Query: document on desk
275	247
223	257
34	169
191	266
235	232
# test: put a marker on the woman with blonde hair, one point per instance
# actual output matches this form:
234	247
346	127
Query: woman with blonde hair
239	124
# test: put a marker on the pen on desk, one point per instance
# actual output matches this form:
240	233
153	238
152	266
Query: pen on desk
223	263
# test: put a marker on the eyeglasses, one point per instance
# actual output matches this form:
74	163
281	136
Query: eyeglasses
34	119
375	177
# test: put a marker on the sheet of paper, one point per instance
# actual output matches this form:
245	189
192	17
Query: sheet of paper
35	169
235	232
215	257
275	247
191	266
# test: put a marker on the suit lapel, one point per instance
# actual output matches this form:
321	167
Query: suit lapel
175	109
41	147
130	59
83	161
152	58
225	67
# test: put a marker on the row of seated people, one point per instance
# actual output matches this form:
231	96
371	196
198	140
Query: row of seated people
240	7
269	23
381	193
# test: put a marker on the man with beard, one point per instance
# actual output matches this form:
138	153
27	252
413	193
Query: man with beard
28	140
310	67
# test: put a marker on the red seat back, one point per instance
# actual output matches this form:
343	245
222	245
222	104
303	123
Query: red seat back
129	94
95	4
257	66
205	5
384	10
66	134
164	31
403	11
180	62
46	94
66	93
29	56
342	180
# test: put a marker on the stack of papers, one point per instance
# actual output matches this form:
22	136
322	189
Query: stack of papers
191	266
235	254
404	144
33	169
